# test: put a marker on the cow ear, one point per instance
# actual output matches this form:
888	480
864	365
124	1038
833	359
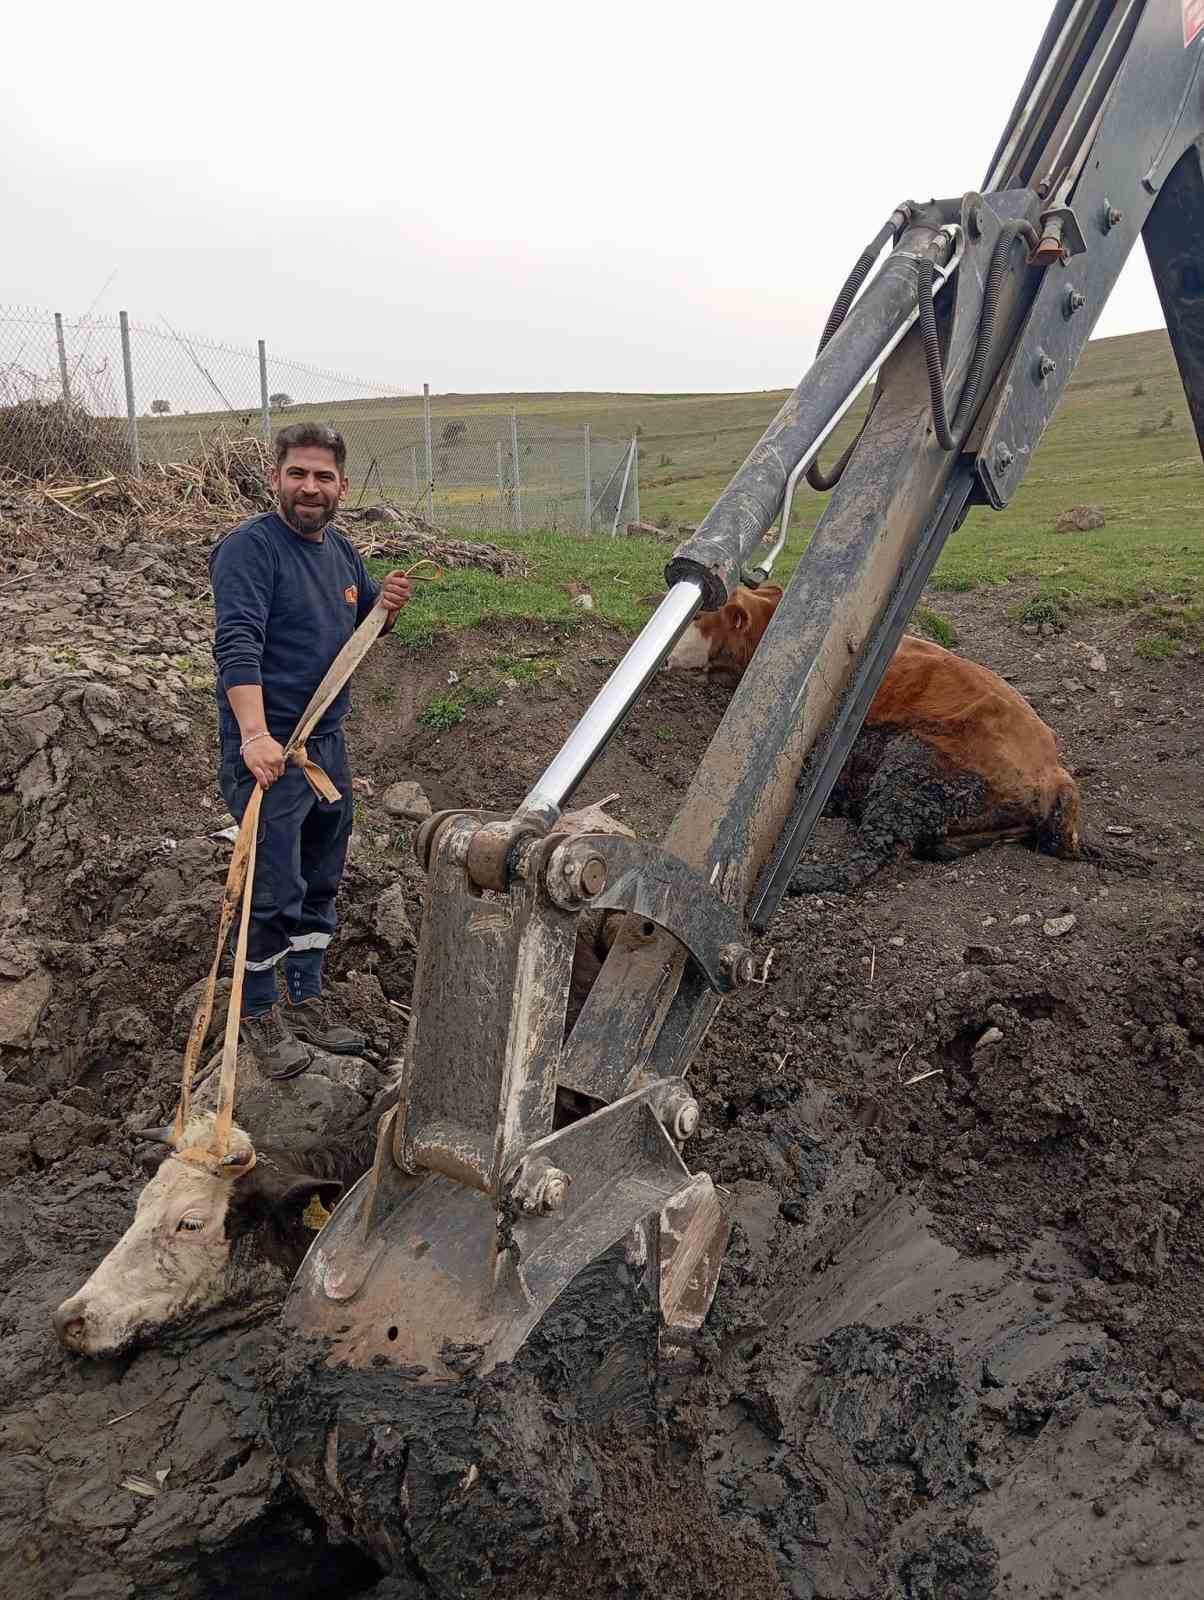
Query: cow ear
283	1190
301	1191
739	616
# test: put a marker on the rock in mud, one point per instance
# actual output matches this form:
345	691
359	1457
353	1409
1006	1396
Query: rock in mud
391	920
406	800
21	1007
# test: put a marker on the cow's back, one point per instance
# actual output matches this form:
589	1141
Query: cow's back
980	724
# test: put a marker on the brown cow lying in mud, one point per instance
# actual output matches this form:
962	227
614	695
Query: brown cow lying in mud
949	758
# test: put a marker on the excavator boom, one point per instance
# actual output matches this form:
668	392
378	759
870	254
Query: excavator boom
483	1205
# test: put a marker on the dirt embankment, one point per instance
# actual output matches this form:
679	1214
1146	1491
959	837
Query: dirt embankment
957	1347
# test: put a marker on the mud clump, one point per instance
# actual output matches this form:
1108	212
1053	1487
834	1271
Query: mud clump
541	1478
959	1565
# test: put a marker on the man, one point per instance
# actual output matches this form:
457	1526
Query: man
289	592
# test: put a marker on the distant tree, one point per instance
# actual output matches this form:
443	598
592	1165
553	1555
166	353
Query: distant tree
160	408
453	432
280	402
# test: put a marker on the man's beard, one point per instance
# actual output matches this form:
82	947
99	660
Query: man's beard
306	519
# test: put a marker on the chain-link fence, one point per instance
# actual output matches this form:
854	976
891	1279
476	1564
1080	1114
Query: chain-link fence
488	470
94	395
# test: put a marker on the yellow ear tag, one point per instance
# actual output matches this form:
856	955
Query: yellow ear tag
315	1216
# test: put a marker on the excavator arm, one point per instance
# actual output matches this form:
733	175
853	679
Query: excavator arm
480	1208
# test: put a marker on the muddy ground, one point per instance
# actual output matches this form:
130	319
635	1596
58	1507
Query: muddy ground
958	1348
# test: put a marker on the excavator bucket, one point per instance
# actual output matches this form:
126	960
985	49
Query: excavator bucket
478	1212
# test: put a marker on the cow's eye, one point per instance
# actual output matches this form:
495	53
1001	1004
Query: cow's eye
190	1224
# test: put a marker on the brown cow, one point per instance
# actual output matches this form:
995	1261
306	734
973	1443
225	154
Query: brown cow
949	758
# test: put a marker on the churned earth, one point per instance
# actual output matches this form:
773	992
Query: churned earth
957	1348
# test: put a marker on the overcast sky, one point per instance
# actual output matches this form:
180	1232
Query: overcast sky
653	196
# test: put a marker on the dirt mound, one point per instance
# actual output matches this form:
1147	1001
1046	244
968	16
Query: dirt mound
956	1346
1079	519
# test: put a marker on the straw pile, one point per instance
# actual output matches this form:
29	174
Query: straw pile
387	531
48	441
226	480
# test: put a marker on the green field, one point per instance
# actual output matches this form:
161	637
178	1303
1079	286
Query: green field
1122	441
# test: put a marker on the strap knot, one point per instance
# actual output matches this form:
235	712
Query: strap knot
319	781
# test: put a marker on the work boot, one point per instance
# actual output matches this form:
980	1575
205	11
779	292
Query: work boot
278	1051
311	1020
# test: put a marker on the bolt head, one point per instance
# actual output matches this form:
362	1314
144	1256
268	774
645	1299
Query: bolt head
555	1192
685	1123
738	963
1003	457
975	219
593	876
1075	300
1046	366
1113	217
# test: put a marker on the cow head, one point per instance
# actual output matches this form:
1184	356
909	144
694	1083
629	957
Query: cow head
203	1235
724	640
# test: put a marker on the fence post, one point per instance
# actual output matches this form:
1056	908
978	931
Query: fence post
614	527
518	486
131	409
264	405
635	445
430	459
414	469
62	344
501	481
589	491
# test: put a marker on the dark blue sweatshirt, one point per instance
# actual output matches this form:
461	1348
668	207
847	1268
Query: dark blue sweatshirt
285	608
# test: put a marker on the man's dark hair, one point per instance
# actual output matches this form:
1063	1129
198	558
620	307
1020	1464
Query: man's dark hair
311	436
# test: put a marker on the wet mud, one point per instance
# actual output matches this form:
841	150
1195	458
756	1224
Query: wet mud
956	1350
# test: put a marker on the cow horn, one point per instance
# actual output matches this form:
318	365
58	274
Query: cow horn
243	1156
157	1135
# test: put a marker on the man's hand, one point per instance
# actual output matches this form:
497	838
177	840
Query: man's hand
264	759
395	593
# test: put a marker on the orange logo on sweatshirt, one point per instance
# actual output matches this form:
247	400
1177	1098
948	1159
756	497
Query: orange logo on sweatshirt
351	594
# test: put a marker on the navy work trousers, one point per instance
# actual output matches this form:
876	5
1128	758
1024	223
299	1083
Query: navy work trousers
300	855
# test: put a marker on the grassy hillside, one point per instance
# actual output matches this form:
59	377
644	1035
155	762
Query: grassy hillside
1122	441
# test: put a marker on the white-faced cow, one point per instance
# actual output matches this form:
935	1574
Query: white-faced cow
206	1236
949	758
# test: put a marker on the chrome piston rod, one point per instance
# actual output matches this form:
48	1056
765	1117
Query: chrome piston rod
612	703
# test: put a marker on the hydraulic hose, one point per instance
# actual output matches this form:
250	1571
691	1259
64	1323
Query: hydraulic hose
861	270
949	437
816	476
